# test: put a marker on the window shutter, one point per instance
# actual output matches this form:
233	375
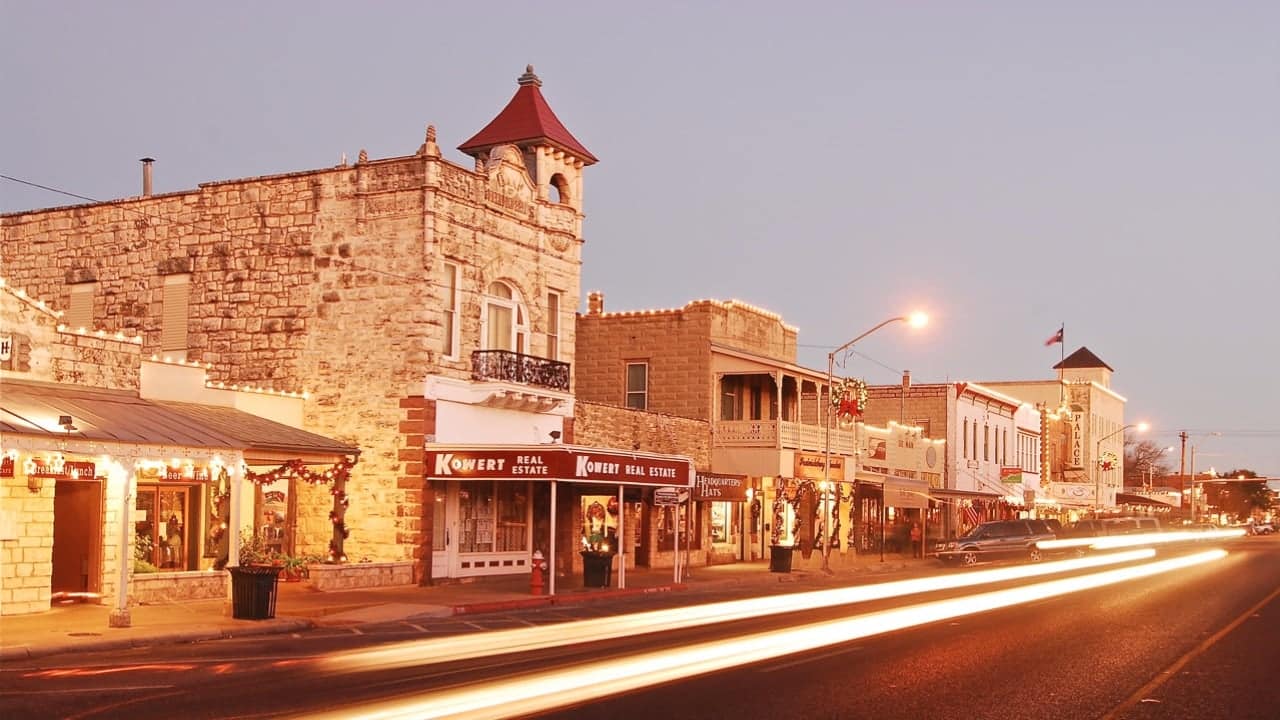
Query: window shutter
80	313
173	334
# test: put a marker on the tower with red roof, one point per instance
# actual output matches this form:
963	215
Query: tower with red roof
552	155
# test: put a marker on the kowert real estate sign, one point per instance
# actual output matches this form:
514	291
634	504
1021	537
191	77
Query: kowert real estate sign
536	462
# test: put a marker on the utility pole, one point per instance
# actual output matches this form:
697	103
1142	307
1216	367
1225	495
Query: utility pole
1182	467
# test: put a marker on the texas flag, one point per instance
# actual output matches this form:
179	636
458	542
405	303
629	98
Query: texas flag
1055	338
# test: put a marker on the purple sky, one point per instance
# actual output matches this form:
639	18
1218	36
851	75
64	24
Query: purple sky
1009	167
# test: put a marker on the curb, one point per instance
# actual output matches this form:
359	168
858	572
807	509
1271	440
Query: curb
178	637
547	600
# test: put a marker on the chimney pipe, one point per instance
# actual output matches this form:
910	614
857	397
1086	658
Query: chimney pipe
595	302
146	176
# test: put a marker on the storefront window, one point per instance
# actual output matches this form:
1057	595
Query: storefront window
513	516
724	522
599	523
476	512
666	515
162	533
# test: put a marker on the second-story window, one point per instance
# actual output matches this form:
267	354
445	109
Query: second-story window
173	328
553	325
449	293
80	310
638	385
966	438
503	319
986	443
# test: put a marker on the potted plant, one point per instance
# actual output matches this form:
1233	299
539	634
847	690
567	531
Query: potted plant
294	567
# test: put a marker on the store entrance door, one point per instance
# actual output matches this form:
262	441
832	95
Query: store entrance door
77	537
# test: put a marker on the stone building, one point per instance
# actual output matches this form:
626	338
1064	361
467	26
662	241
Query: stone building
419	302
733	366
987	458
120	477
1084	442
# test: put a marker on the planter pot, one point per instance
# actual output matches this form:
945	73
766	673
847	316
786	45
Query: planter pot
780	558
597	569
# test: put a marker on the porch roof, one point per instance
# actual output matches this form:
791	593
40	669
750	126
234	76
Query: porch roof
32	408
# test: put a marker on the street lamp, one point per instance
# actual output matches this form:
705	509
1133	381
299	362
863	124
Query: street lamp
916	320
1097	462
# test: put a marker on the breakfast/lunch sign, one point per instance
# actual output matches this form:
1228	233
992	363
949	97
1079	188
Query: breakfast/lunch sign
560	462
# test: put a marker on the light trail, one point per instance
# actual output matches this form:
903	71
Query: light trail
422	652
1113	542
542	691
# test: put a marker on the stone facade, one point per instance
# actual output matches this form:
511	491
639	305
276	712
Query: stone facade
677	346
608	426
330	281
360	575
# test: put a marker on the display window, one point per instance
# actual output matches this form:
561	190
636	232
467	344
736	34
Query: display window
725	522
599	523
164	538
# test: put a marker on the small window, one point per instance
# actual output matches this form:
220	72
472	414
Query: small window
966	438
80	309
986	443
553	325
638	385
449	291
173	331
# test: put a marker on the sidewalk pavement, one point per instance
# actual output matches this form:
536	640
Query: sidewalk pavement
85	628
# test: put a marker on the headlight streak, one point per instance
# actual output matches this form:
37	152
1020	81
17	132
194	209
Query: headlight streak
1112	542
543	691
499	642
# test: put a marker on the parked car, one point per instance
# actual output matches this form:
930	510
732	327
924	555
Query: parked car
1263	528
998	540
1098	527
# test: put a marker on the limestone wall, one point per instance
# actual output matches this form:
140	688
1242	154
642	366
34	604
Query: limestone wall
328	281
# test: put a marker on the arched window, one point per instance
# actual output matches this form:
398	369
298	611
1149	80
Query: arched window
504	319
559	189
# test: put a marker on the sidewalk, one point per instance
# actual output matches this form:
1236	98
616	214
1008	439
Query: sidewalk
84	627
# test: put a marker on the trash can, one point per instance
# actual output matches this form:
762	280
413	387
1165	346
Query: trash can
253	591
780	558
597	569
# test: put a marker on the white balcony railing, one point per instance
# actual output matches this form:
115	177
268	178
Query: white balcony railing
794	436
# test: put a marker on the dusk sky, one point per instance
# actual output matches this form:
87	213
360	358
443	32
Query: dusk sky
1009	167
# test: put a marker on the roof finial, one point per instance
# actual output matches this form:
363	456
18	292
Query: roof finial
528	78
429	146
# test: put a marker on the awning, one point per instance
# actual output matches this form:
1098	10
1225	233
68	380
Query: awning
1131	499
32	409
572	463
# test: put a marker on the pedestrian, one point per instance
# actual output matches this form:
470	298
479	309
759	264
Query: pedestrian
917	541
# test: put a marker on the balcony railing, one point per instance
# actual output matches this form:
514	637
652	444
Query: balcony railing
792	436
507	366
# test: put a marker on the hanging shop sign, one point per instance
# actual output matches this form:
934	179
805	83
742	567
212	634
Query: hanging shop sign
813	466
1011	475
720	488
556	463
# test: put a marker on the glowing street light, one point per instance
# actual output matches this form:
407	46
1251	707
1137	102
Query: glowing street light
1097	461
916	320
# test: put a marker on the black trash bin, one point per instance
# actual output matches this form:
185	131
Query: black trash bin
780	558
597	569
253	591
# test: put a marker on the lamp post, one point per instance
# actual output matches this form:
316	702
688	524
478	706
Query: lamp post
1097	462
915	320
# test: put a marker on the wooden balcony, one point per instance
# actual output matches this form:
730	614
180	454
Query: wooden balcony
793	436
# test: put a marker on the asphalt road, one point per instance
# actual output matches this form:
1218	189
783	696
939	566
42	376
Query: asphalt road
1200	642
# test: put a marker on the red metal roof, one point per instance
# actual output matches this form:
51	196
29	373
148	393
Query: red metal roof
527	118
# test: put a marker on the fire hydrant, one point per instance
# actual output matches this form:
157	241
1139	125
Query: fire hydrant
539	566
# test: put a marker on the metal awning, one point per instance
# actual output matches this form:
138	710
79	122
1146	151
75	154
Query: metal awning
31	408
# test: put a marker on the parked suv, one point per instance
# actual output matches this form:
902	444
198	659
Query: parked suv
998	540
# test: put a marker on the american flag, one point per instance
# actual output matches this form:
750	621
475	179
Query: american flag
971	515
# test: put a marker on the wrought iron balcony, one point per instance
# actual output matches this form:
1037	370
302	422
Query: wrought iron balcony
507	366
